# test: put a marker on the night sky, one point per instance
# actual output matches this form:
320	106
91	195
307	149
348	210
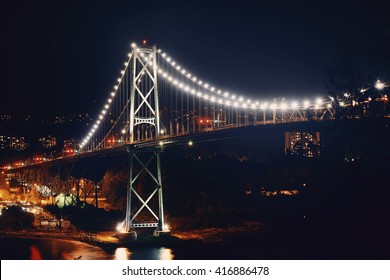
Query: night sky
66	55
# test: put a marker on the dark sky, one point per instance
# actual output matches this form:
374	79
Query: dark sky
66	55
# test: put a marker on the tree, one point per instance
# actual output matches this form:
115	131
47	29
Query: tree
15	217
114	188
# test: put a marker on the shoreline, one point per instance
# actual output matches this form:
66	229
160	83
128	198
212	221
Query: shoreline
106	240
33	234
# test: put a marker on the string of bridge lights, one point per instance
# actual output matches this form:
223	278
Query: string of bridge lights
223	97
107	105
226	98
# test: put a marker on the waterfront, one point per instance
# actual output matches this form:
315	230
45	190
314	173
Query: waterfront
57	249
282	244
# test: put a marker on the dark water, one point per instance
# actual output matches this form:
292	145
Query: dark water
55	249
248	247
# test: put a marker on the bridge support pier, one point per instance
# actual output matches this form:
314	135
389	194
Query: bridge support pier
145	192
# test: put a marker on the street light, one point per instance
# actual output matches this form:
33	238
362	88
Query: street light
380	85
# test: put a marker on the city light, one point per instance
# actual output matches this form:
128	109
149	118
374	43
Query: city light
380	85
167	227
121	227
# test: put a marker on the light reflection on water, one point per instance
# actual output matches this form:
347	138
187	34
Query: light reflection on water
49	249
144	254
122	254
166	254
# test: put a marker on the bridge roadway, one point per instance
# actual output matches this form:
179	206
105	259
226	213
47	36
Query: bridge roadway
205	135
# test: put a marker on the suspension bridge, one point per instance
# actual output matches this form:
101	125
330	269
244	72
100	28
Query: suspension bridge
156	102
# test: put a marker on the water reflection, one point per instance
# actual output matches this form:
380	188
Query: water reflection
147	253
49	249
166	254
52	249
35	253
122	254
72	250
81	251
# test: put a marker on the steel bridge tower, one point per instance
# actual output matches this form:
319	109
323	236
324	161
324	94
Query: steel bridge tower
144	108
144	111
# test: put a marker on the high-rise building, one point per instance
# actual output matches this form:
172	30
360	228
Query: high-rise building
302	143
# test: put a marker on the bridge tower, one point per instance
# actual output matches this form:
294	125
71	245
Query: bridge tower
144	112
144	108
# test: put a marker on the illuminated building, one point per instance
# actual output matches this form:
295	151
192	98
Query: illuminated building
48	142
69	147
12	143
17	143
302	144
3	142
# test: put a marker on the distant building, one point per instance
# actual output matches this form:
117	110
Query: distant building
302	143
3	142
48	142
69	147
17	143
5	118
59	120
12	143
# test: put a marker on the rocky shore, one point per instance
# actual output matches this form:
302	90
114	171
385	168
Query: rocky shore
107	240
